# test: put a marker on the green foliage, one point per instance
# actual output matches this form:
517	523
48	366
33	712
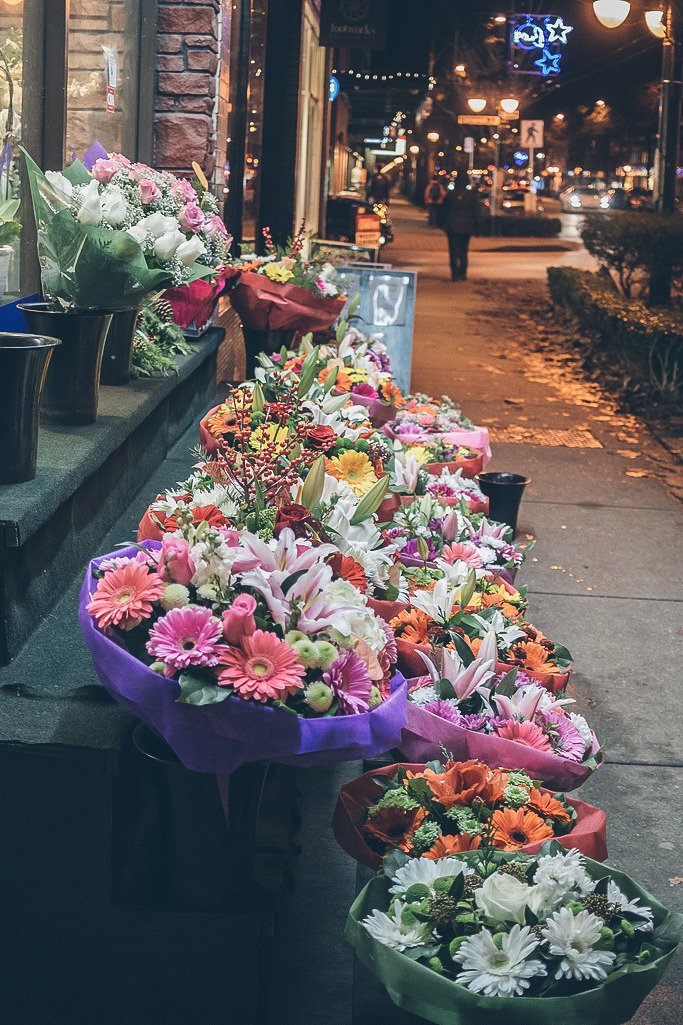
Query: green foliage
649	343
9	226
632	244
157	341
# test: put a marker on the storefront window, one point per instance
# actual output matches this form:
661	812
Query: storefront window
11	74
254	137
103	75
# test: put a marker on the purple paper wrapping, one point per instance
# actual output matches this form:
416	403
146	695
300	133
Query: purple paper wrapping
220	738
426	733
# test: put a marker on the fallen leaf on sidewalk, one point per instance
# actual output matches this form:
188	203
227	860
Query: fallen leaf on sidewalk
514	402
637	473
627	454
675	880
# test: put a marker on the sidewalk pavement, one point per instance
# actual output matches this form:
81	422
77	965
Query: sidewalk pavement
604	579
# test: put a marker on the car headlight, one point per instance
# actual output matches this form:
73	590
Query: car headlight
575	201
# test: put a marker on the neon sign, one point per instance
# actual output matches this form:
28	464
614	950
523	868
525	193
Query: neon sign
537	42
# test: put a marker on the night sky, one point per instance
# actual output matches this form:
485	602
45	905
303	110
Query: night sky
598	62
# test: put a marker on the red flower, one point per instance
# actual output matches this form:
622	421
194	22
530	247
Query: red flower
321	438
294	516
348	569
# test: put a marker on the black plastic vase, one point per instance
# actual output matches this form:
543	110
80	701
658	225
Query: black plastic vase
72	386
24	361
118	348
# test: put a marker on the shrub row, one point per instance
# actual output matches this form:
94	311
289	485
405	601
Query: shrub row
649	342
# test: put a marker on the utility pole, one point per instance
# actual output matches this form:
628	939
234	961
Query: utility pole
666	157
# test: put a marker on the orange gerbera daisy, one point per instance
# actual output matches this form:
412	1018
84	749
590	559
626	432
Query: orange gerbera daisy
342	381
531	655
515	829
392	394
447	845
411	625
547	806
394	826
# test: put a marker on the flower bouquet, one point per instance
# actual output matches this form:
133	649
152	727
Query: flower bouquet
510	939
435	456
471	711
287	289
437	810
423	420
236	650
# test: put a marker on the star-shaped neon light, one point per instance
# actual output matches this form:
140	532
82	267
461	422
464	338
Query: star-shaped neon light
557	30
549	63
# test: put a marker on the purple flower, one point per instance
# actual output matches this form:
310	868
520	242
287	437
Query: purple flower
350	682
475	722
445	711
412	549
562	734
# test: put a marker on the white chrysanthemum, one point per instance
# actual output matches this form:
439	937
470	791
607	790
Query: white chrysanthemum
345	593
631	907
495	972
393	932
572	938
564	872
582	728
423	695
426	872
365	626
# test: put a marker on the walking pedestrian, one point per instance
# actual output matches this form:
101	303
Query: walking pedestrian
379	188
434	197
459	218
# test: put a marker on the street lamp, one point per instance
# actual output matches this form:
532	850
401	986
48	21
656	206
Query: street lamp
415	150
611	13
509	105
433	136
665	22
476	104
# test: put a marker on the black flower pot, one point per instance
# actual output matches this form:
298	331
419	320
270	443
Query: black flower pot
118	348
72	386
504	492
256	342
24	360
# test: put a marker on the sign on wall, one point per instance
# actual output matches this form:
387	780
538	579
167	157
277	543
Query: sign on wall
358	24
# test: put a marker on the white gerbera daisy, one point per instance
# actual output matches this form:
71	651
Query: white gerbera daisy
499	972
426	872
393	932
572	938
631	907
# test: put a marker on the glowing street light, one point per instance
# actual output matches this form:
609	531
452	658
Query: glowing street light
509	104
477	104
559	117
600	103
655	22
433	136
611	13
415	150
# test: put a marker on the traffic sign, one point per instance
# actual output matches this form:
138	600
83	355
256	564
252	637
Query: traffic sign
531	134
479	119
468	144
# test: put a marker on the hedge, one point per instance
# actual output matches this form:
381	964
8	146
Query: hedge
521	226
649	342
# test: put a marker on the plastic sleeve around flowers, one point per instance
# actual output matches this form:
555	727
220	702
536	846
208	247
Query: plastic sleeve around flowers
265	305
220	738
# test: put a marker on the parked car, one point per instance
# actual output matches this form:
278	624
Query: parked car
576	199
640	199
513	202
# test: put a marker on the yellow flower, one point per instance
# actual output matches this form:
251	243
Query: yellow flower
267	435
357	374
355	469
422	454
276	272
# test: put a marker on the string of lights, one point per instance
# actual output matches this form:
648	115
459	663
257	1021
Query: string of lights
368	77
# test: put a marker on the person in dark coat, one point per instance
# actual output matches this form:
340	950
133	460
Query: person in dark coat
379	188
459	218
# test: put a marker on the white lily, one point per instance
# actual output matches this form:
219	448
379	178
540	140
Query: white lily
465	680
439	603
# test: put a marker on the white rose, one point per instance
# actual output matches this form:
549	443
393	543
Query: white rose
114	206
60	184
503	898
167	244
138	232
159	224
91	206
190	250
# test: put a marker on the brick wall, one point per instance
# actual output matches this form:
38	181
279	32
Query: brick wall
187	62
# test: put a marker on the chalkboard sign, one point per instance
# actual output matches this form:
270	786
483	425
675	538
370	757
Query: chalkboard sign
386	311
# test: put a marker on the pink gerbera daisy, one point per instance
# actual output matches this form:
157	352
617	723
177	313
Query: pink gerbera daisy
264	668
186	637
527	733
564	737
125	596
459	551
350	683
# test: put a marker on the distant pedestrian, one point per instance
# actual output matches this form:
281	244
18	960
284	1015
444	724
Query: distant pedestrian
379	188
434	196
459	218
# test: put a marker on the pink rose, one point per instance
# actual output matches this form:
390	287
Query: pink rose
176	560
118	158
238	620
148	191
104	170
215	224
191	218
186	190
